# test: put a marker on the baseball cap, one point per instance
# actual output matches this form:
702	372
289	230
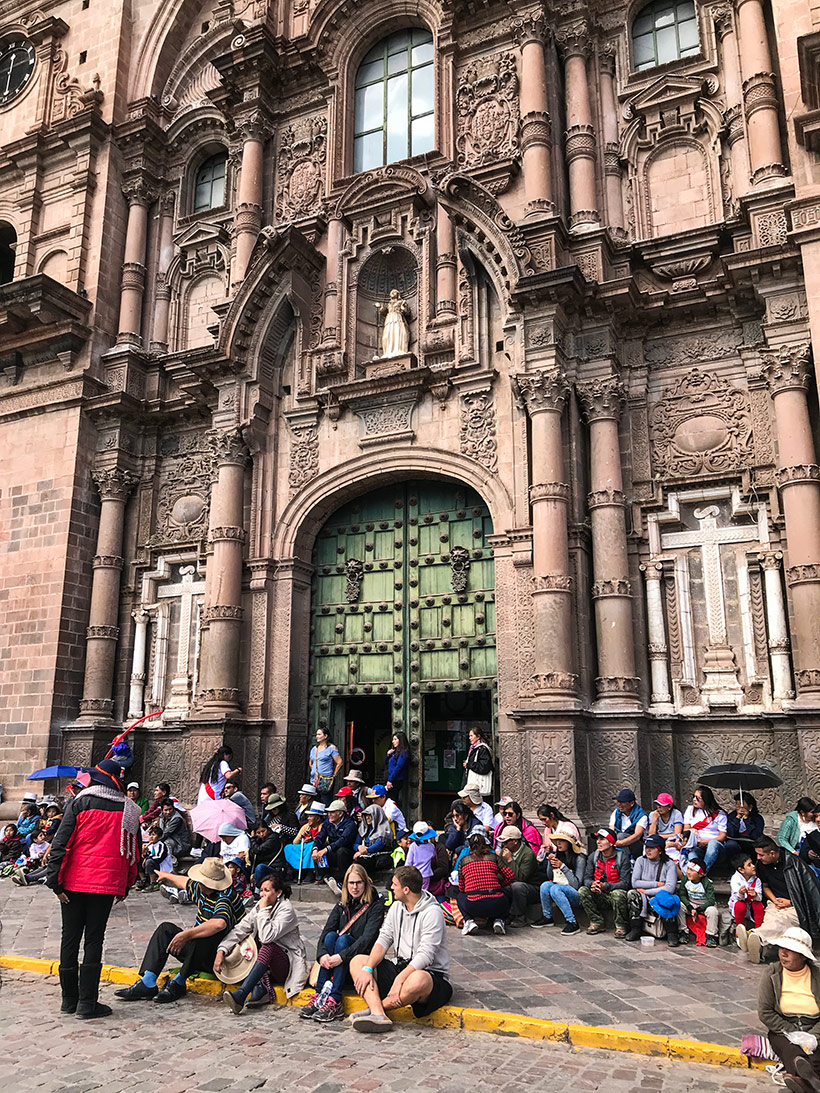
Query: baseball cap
606	833
665	799
625	795
655	840
510	833
377	791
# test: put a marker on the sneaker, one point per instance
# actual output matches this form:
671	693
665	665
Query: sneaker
330	1011
754	947
233	1002
742	938
469	927
334	886
371	1022
517	923
169	892
711	941
499	927
313	1006
541	922
571	928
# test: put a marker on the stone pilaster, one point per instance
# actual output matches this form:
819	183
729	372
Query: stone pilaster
536	130
609	124
162	294
445	265
733	115
580	140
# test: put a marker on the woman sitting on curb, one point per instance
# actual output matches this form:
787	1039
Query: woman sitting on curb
565	865
351	928
375	835
281	957
788	1003
483	885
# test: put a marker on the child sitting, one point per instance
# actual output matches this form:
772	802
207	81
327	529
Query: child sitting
697	897
746	899
241	879
399	855
11	847
28	823
422	853
156	858
52	821
32	870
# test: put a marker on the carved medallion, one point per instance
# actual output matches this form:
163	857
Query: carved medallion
487	104
301	168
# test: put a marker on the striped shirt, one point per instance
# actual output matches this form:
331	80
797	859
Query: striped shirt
227	905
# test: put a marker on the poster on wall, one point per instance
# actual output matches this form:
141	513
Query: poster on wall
431	767
449	759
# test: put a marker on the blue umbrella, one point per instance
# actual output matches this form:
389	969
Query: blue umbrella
53	772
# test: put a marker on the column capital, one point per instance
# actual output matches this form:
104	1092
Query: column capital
229	448
786	367
532	26
252	127
723	18
140	191
543	389
574	40
601	399
772	559
114	483
652	571
607	58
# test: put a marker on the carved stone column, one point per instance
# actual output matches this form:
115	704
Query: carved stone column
787	372
759	94
331	331
580	143
782	685
733	115
132	289
162	295
616	684
544	393
136	694
102	634
536	131
222	616
612	161
660	698
445	265
248	215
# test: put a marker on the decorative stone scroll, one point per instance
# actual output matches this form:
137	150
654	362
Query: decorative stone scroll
488	115
301	168
478	433
702	425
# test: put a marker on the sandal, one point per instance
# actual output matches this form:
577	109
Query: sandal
596	930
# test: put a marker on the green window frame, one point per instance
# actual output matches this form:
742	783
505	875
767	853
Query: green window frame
209	185
394	114
664	31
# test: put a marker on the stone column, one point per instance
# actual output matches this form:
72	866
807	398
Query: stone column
132	290
248	215
162	296
544	393
580	143
733	115
601	401
223	580
102	634
536	142
331	331
759	94
445	265
782	685
656	632
787	371
612	160
136	695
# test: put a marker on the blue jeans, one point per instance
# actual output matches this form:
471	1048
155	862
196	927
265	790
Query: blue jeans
335	944
259	874
714	852
564	896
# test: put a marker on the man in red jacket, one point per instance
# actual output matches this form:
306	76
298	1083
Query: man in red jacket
93	861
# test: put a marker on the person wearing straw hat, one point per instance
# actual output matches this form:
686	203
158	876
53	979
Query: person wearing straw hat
334	846
565	864
354	779
219	908
307	795
788	1003
281	957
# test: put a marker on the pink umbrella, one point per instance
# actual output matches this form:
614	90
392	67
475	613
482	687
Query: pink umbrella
207	817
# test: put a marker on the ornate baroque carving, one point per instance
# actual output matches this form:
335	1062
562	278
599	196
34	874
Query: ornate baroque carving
460	566
301	168
304	455
354	571
601	398
114	483
543	389
786	367
487	105
478	437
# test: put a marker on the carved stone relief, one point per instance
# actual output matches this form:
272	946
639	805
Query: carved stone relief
478	433
613	759
183	497
304	455
488	116
301	168
552	767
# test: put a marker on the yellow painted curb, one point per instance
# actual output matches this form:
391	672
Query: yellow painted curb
471	1020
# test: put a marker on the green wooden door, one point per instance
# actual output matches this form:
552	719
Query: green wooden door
403	603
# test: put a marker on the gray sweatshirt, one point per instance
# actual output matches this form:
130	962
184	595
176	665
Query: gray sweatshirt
418	936
645	872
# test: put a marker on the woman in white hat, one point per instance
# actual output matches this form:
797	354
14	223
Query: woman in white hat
789	1001
307	795
281	957
565	864
354	779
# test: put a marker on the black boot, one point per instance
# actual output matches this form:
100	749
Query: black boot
88	1006
635	929
672	932
236	999
70	986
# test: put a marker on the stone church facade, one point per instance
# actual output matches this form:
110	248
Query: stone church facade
563	482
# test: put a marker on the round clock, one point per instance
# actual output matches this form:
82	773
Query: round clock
16	65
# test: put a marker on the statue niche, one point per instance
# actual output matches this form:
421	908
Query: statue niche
387	309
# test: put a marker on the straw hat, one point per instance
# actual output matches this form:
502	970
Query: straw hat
564	831
799	941
213	873
307	790
355	776
238	962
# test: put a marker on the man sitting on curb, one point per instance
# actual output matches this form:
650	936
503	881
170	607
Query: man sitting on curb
378	796
629	822
415	927
525	889
792	899
218	909
471	796
606	882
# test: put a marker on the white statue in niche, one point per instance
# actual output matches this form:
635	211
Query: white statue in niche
396	332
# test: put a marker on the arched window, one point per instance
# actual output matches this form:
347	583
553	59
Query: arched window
8	245
664	31
209	188
394	116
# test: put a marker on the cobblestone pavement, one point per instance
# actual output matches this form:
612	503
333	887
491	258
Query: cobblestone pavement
690	992
197	1044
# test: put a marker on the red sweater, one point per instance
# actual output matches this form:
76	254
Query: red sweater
479	878
85	854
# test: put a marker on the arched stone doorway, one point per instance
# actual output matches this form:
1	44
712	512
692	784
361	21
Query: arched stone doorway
403	633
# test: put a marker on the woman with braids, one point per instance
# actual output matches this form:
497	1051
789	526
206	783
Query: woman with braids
216	772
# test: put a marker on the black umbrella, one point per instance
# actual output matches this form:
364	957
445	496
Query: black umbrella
739	776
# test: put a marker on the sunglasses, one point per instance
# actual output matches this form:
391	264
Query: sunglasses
509	812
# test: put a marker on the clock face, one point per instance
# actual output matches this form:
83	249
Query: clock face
16	66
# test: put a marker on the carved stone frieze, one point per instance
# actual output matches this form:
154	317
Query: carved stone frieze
599	499
183	498
107	633
107	561
616	685
228	447
701	425
613	758
713	346
222	612
228	532
301	168
386	419
803	574
488	115
552	766
797	475
304	455
102	706
604	589
550	491
552	582
556	681
478	431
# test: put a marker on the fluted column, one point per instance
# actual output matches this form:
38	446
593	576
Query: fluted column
136	694
222	616
536	130
580	142
787	372
782	686
102	633
162	295
660	695
612	159
759	94
601	401
445	264
248	215
132	285
544	393
733	115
